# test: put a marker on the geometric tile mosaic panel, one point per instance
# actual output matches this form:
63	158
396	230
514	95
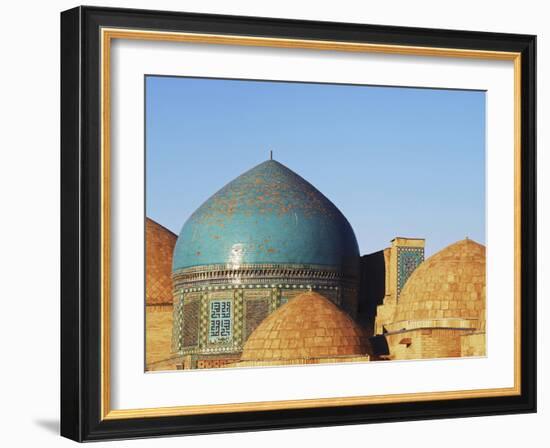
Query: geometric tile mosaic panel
408	259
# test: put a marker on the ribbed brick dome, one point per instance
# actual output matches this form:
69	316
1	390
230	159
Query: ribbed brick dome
308	327
448	285
159	248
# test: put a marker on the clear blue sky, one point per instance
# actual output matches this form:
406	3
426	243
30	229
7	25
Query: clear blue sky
395	161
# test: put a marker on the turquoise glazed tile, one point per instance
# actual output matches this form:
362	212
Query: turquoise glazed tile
267	215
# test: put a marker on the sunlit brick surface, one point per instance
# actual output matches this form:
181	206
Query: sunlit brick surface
158	334
450	284
473	344
159	248
308	327
441	310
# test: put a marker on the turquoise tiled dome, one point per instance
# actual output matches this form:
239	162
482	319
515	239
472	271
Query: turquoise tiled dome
268	215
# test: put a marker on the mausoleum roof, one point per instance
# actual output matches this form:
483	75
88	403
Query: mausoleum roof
309	326
448	286
268	215
159	248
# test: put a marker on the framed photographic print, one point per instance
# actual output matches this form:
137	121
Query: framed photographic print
273	223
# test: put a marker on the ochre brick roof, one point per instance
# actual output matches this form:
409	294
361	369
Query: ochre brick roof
448	285
159	248
308	326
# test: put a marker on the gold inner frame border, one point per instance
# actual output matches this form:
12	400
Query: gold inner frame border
107	35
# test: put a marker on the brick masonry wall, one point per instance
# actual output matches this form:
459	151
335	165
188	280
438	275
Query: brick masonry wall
473	344
309	326
159	247
426	344
443	300
158	334
450	284
384	314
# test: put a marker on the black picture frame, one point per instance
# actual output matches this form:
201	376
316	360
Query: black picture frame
81	224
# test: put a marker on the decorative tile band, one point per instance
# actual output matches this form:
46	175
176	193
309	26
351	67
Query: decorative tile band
242	316
274	283
260	273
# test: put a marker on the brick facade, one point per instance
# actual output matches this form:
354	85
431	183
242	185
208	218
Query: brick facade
440	312
473	344
309	327
425	343
398	269
159	245
158	336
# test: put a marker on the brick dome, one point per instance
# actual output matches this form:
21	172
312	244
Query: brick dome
308	327
448	287
159	248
